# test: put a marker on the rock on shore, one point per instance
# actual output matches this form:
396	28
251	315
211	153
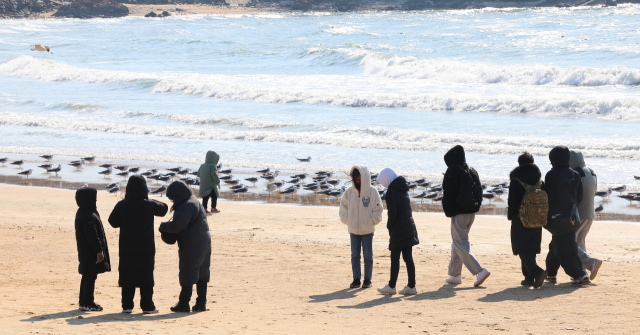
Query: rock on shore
85	9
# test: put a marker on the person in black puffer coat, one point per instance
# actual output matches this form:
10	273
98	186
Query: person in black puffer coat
134	216
564	188
190	229
93	251
403	234
525	242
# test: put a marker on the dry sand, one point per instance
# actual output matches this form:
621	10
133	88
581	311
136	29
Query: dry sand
279	269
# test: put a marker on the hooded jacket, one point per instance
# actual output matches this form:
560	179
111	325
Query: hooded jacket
208	173
190	225
135	217
523	240
402	228
564	188
589	185
361	211
90	236
456	162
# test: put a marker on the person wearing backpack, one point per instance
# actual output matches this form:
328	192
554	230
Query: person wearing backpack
526	240
462	199
564	188
586	208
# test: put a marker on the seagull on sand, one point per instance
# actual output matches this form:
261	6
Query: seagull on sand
636	177
630	197
47	157
45	166
301	176
38	47
26	173
3	160
106	172
232	182
620	189
600	208
124	174
604	194
55	170
336	194
308	159
121	167
77	164
267	170
253	180
18	163
112	185
227	171
227	177
115	190
489	196
106	166
271	188
90	159
160	190
291	191
176	169
241	190
134	170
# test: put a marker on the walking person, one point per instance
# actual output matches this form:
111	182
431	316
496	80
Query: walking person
462	199
403	234
525	241
190	229
93	251
209	182
564	188
134	215
586	208
361	210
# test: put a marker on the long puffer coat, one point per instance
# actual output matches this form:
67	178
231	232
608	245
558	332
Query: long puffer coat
135	217
523	240
564	188
208	173
189	225
90	237
402	228
456	162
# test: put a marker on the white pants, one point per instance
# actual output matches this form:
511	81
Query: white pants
581	235
460	247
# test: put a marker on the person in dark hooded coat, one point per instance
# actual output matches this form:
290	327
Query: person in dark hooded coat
525	242
403	234
564	188
93	251
190	229
135	217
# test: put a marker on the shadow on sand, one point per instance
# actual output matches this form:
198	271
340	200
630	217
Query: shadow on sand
444	292
347	293
72	317
523	293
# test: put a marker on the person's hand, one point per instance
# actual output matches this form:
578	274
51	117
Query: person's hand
100	257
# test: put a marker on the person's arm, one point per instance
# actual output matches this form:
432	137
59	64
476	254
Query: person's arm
181	218
198	173
159	208
344	207
91	234
580	194
214	176
377	209
392	211
114	217
549	187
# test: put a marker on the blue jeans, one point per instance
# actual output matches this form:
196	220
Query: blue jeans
366	243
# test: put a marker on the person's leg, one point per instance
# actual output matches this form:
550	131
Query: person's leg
201	289
367	252
553	260
529	266
407	255
395	267
581	233
460	225
569	260
356	242
81	293
146	299
205	201
185	295
88	287
214	200
128	293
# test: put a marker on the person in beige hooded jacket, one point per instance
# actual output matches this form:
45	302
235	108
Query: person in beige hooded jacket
361	210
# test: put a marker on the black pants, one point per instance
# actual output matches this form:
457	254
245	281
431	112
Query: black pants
530	268
563	251
146	298
201	288
395	266
214	200
87	286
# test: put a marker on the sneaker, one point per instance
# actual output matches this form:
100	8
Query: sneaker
94	308
526	283
387	290
155	311
181	308
199	308
84	308
552	279
207	211
454	280
367	283
127	311
594	272
409	291
583	281
481	277
540	279
215	211
355	283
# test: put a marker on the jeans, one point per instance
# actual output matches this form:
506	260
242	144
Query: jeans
530	268
395	266
563	251
460	246
214	200
366	243
146	298
87	286
187	291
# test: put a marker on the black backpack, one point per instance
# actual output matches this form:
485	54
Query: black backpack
470	193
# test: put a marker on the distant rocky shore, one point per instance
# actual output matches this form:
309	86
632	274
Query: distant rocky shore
111	8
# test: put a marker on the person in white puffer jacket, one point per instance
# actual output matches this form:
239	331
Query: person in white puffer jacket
361	210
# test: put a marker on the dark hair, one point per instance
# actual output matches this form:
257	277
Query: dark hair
525	158
355	174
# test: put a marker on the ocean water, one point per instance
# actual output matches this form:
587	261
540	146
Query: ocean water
386	89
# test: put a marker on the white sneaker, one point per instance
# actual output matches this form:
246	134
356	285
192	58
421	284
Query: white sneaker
155	311
454	280
482	276
387	290
594	272
127	311
409	291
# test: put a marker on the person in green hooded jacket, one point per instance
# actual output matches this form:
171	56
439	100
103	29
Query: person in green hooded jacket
209	181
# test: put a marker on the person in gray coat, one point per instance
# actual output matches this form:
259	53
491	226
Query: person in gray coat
586	208
190	229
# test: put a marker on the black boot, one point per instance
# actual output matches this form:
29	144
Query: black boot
199	307
184	308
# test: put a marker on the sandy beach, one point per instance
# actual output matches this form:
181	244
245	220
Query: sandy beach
282	269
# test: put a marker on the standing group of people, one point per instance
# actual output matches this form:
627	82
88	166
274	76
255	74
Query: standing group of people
562	203
134	216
